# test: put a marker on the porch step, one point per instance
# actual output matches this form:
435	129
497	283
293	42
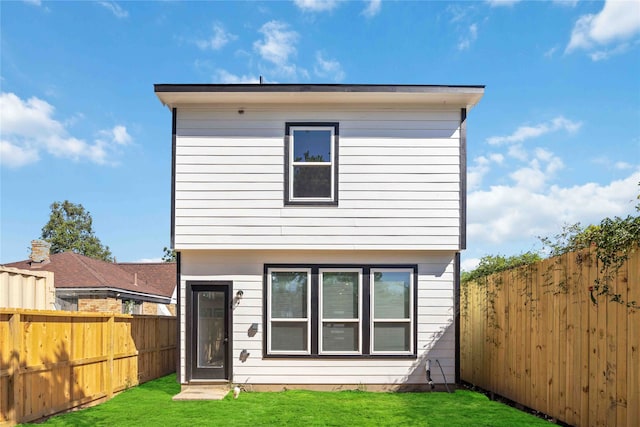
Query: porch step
202	392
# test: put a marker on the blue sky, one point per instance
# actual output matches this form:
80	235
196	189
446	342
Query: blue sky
555	140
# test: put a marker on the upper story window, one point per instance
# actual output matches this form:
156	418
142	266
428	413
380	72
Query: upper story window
311	164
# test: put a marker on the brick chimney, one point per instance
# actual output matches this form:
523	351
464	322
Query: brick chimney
39	253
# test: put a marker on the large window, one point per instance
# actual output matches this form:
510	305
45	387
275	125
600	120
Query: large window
340	310
340	303
288	311
311	163
392	307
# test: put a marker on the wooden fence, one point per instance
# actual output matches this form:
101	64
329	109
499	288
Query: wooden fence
535	336
52	361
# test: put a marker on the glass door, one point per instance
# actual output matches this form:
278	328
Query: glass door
210	344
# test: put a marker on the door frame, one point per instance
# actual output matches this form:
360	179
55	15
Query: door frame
193	286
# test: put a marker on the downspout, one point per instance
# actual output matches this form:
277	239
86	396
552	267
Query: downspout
428	369
463	240
178	319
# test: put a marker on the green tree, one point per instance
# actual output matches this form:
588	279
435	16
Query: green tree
169	255
70	229
490	264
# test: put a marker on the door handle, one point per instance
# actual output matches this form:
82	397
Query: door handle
225	340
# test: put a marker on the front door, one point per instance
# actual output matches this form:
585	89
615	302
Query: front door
210	320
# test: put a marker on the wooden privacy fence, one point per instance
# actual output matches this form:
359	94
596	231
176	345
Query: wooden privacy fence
52	361
535	336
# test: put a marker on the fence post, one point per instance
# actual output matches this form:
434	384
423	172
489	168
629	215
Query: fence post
109	368
15	378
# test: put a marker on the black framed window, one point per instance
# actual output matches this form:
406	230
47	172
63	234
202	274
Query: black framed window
314	310
311	163
288	311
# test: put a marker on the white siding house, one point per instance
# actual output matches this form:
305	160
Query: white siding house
318	229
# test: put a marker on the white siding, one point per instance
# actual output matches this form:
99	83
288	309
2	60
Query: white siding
399	180
435	317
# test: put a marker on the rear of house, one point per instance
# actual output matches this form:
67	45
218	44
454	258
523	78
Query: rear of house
318	231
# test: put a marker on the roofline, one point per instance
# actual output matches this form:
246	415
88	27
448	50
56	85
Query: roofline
278	87
243	95
88	289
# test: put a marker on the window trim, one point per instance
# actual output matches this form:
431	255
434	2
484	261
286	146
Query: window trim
412	311
289	199
322	320
365	315
270	319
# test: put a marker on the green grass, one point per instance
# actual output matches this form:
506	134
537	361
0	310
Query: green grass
150	405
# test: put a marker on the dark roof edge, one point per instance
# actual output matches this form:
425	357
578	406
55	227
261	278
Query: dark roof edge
273	87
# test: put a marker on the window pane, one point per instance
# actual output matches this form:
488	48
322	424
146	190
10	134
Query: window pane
391	336
340	295
312	181
311	145
289	336
340	337
391	295
289	294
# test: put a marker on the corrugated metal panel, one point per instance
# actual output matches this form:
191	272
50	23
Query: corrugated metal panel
26	289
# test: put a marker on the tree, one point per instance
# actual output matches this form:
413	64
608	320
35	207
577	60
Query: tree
169	255
70	229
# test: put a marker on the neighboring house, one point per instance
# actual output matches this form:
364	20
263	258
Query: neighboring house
318	231
86	284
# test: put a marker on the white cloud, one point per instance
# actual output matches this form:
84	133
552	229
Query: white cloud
118	134
517	151
316	5
602	54
33	2
114	8
540	169
458	13
328	68
524	133
218	40
507	214
277	46
549	53
223	76
372	9
622	165
149	260
469	38
568	3
498	3
615	24
15	156
607	163
469	264
481	166
28	128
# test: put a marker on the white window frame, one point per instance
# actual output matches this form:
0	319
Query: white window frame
271	319
293	163
372	313
322	320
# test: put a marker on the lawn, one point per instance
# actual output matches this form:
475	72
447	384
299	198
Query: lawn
150	404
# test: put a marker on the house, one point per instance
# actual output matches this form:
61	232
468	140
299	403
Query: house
86	284
318	230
